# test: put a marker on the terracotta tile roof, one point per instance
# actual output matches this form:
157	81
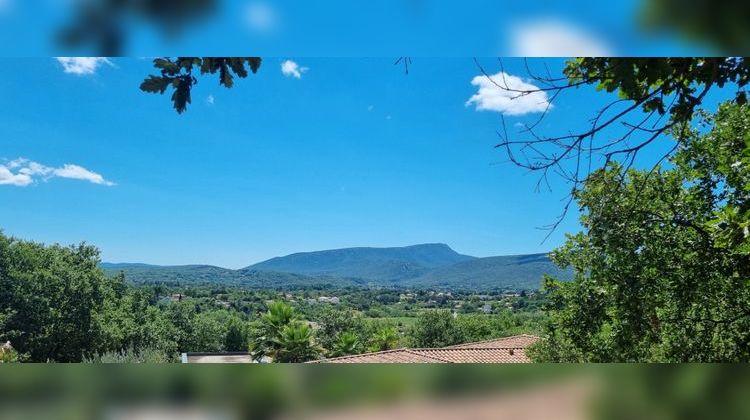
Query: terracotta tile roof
443	355
516	341
498	350
478	355
388	356
502	350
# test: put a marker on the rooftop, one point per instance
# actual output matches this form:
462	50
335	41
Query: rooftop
499	350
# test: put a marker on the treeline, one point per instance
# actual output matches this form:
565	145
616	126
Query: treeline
57	305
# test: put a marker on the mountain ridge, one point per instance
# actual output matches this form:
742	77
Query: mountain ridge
380	264
433	265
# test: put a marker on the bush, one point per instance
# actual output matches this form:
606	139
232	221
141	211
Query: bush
130	355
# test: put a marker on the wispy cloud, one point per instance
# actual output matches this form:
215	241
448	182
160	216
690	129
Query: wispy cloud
82	65
291	69
210	99
556	38
499	93
22	172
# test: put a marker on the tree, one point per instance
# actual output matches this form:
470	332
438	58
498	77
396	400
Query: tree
662	266
283	336
178	74
346	343
236	336
436	328
655	96
334	322
296	344
386	338
128	320
49	297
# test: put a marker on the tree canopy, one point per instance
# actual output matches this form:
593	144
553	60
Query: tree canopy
178	74
662	266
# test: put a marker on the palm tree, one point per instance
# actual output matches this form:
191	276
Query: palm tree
346	343
272	323
385	339
296	344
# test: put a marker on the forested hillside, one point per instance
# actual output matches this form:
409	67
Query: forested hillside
418	266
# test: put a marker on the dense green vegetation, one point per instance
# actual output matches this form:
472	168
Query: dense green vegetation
209	274
58	305
375	264
434	266
513	272
663	263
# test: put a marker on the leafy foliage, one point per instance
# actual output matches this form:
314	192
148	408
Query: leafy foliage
662	268
8	354
334	322
296	344
346	343
50	294
283	336
49	297
652	83
386	338
441	328
178	74
130	355
236	338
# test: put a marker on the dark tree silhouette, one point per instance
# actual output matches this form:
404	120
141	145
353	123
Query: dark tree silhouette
178	74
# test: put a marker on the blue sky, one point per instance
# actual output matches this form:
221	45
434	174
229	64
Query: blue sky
351	153
355	29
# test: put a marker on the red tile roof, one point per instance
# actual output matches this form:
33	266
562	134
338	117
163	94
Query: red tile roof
516	341
501	350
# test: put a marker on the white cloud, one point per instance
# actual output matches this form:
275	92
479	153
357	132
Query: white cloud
291	69
210	99
9	178
370	108
388	117
78	172
500	94
22	172
82	65
261	17
555	38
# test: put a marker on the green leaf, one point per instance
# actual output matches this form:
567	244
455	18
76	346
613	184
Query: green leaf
155	84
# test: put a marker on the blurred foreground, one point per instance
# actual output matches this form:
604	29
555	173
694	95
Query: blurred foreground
386	28
374	392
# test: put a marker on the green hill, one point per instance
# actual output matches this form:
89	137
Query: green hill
208	274
517	272
419	266
389	265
